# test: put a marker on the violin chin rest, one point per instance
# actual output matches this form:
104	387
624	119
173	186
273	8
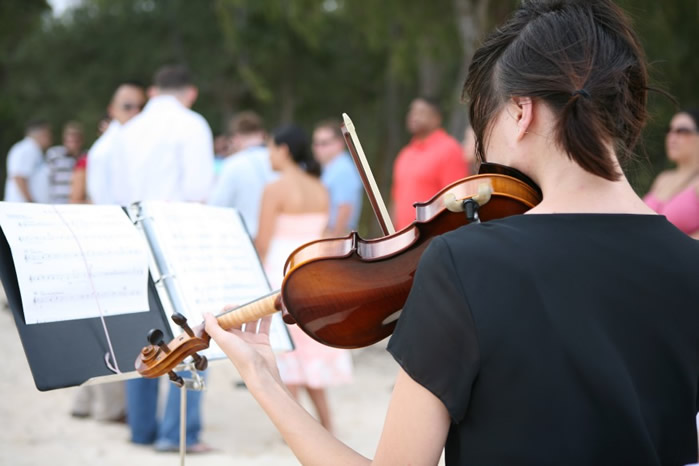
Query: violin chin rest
485	192
452	204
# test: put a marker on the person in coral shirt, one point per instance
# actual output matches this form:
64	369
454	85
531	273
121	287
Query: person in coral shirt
431	161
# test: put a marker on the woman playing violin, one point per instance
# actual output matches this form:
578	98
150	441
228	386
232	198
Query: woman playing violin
557	337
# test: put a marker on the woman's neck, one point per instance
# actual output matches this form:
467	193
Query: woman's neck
568	188
292	169
689	166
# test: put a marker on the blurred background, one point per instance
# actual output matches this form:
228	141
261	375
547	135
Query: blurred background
295	60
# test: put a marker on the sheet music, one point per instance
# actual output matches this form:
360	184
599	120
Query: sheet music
54	247
213	260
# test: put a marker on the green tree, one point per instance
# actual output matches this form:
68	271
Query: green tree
300	60
670	36
18	18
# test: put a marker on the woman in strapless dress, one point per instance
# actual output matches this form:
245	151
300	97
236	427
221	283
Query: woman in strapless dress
675	193
294	211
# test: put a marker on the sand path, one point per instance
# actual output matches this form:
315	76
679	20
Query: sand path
38	430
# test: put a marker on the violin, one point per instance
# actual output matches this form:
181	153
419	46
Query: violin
349	292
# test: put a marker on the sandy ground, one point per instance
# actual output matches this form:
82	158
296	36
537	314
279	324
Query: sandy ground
37	428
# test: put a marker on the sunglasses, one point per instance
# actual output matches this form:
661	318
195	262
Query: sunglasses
131	107
323	142
681	131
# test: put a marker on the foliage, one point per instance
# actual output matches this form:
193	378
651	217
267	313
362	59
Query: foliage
18	19
670	35
300	60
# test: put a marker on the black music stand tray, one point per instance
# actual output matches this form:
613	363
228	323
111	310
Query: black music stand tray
68	353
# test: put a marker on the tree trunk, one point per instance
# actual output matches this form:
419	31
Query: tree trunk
430	71
392	137
472	18
288	101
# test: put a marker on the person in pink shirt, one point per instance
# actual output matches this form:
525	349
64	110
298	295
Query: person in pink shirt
675	192
431	161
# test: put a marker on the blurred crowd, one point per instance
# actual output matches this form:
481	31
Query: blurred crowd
290	186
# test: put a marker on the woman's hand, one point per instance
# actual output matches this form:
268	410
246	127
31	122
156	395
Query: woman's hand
249	349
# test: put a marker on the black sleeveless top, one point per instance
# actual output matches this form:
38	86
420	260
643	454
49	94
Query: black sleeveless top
559	339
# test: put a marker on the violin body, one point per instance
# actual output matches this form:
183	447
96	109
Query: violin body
349	292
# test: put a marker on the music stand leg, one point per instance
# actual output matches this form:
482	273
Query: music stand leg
183	423
194	383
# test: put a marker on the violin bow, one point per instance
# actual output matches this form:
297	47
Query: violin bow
372	190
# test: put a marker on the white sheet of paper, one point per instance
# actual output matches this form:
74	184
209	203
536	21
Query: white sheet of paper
213	260
54	247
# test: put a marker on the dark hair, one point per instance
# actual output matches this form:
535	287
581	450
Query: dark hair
36	124
246	122
333	125
694	114
74	126
432	102
584	60
297	141
132	83
173	77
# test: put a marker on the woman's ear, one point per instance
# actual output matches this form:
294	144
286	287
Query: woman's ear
524	115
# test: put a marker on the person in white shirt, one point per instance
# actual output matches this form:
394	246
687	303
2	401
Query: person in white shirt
164	153
27	178
127	101
107	402
244	174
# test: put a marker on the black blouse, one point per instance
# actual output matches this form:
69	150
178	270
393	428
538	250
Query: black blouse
559	339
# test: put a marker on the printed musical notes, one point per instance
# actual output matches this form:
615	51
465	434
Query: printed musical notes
73	260
213	260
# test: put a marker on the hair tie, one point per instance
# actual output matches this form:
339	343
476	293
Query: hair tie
581	92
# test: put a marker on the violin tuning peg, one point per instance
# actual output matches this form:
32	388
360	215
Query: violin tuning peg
176	379
200	362
181	320
155	338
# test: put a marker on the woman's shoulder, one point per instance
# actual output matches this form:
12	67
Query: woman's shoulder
487	239
695	183
520	232
663	180
278	193
318	189
277	186
670	182
298	193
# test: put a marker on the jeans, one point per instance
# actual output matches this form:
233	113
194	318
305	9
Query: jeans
142	405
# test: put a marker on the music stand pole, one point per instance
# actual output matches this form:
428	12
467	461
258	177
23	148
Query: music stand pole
194	383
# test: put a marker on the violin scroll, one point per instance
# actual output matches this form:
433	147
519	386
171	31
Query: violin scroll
160	358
